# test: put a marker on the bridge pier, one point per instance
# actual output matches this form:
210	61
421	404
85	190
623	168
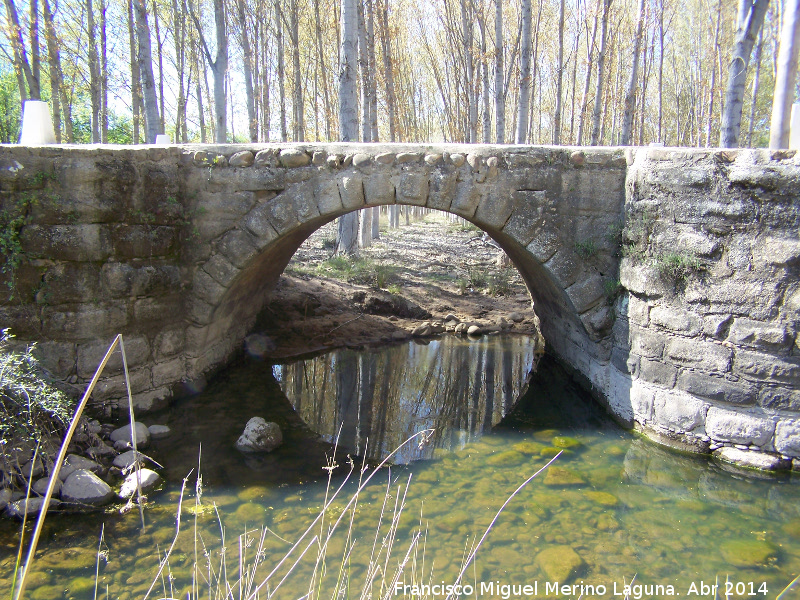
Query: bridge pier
667	278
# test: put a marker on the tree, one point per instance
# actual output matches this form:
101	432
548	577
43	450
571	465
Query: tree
630	92
347	241
783	97
218	66
750	18
248	72
601	60
559	76
145	65
499	88
524	75
27	72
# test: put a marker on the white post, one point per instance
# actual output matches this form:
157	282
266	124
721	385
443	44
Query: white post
794	131
37	124
162	140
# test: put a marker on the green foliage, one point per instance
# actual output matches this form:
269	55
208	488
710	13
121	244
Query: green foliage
12	220
357	270
10	113
676	267
120	127
500	282
31	408
585	249
612	289
329	242
477	278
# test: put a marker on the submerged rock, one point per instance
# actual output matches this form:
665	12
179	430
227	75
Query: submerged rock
560	477
259	436
747	553
559	563
84	487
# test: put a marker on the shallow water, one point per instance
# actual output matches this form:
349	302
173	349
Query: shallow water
612	508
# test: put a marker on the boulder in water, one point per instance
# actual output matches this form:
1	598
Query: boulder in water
259	436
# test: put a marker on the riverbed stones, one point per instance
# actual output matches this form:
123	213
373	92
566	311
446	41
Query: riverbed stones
259	435
126	459
40	486
148	479
562	477
85	488
123	434
474	330
73	462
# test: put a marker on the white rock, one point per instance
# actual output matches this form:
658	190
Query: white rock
84	487
124	434
259	436
149	479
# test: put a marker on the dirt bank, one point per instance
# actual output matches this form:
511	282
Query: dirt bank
420	273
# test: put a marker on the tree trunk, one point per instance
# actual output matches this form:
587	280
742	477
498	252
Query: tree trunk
160	54
387	68
94	73
364	227
659	137
54	61
219	68
179	37
136	85
373	76
35	84
27	78
323	71
559	77
750	18
601	60
103	73
281	69
198	92
524	75
780	123
363	67
146	72
588	80
630	92
347	242
297	89
469	73
487	113
248	72
713	85
756	80
499	88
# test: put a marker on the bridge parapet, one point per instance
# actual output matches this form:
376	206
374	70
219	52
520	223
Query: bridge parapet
668	278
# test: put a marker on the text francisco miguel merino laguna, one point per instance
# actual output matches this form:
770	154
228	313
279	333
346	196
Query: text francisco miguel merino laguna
497	589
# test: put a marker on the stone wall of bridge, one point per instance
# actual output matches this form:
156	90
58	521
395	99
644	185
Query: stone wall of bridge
668	279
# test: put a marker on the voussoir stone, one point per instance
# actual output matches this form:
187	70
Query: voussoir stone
259	436
84	487
123	434
362	160
291	158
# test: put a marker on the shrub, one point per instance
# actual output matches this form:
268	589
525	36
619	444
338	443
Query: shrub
586	249
676	267
31	408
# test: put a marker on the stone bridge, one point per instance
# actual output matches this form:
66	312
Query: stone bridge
668	279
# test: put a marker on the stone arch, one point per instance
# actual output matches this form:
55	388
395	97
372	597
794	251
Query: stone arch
518	199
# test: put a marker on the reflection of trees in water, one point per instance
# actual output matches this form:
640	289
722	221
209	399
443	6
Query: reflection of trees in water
381	397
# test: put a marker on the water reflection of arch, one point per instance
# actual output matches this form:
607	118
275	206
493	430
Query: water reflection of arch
459	388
